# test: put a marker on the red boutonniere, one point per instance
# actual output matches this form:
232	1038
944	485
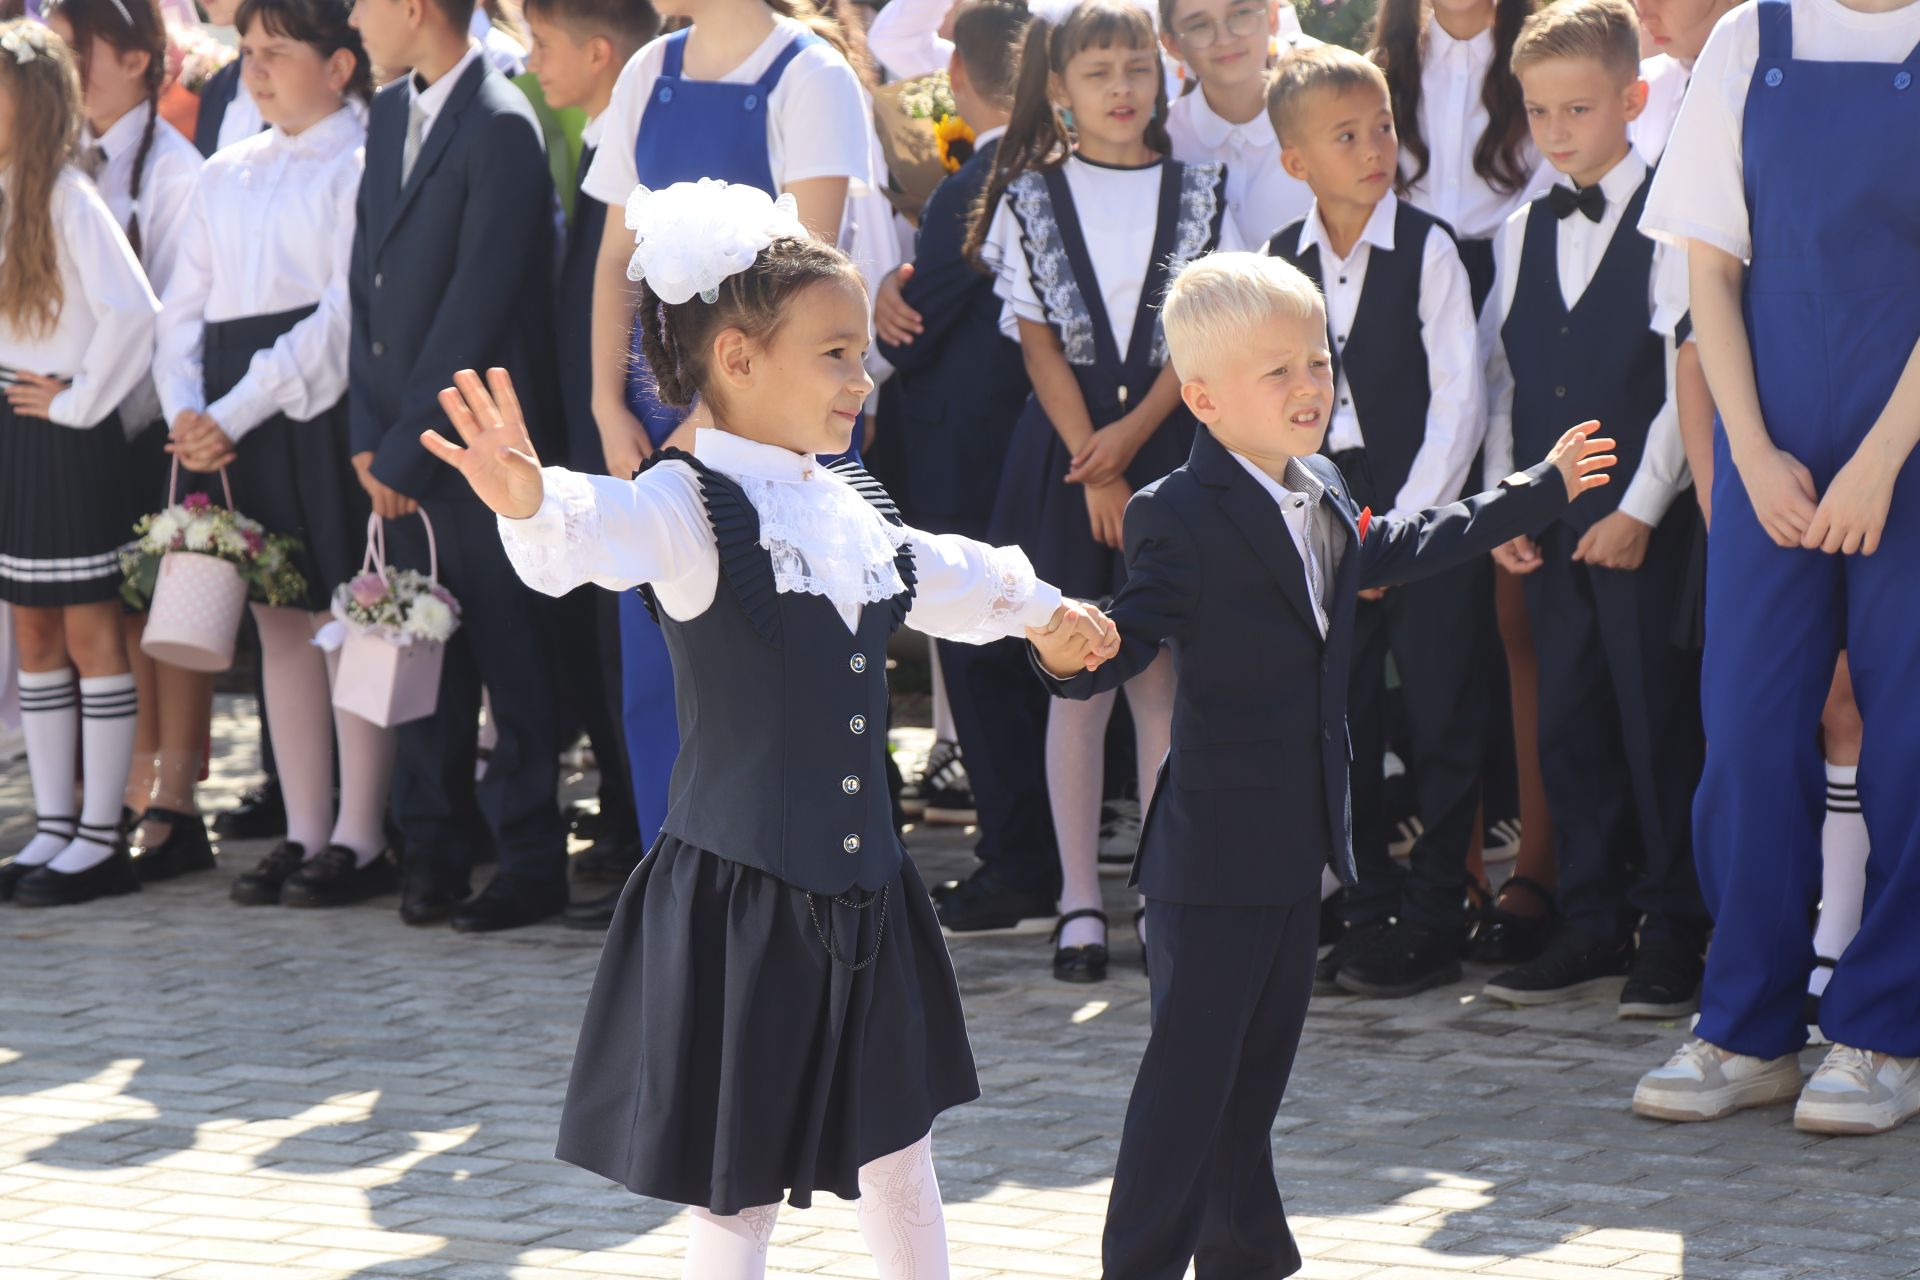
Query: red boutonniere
1366	519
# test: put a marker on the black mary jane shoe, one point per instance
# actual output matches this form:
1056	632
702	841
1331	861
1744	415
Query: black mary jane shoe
1506	937
184	849
1080	964
45	887
335	877
262	886
12	872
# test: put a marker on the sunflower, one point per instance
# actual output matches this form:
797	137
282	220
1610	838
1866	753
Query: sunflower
954	137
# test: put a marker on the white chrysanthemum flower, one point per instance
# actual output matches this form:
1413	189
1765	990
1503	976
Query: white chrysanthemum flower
429	619
199	536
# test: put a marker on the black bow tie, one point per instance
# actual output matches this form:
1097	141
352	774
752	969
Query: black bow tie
1563	200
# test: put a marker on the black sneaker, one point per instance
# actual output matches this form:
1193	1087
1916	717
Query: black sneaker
1405	960
334	877
260	814
944	795
981	903
1665	981
1356	939
1573	965
261	886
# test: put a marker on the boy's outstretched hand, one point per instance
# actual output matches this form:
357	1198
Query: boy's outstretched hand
498	460
1582	459
1079	637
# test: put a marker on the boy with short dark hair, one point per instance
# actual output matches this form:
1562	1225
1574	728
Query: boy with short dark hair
1580	323
1408	417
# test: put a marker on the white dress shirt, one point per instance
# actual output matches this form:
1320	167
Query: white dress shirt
1579	246
433	98
654	529
502	50
905	37
1261	196
1456	408
1700	193
1666	78
269	229
173	163
1452	119
103	339
1302	501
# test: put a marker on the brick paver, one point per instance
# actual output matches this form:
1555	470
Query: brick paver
197	1091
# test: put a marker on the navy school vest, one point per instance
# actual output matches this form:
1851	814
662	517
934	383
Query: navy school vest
782	711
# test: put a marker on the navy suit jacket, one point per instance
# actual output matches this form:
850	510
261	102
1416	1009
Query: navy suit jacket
1252	800
962	383
573	327
453	272
216	95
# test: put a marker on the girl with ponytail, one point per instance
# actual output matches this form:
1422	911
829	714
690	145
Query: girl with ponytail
145	172
1084	221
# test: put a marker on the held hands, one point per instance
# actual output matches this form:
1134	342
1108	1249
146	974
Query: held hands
199	442
893	320
31	394
498	460
1782	493
1582	461
1616	541
1853	513
1079	637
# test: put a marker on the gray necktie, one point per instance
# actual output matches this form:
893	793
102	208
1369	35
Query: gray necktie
1315	584
416	128
92	161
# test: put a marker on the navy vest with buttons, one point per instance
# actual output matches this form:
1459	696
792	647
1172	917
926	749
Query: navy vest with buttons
783	712
1384	355
1601	359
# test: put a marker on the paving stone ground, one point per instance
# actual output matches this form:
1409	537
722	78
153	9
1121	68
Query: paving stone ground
193	1090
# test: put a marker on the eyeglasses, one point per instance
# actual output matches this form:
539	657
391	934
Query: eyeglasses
1241	21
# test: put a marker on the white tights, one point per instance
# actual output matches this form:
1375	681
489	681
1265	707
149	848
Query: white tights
900	1214
1076	751
298	682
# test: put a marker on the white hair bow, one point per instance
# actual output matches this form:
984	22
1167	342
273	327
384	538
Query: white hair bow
692	235
1056	12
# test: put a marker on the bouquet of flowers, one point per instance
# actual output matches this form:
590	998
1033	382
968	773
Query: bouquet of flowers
264	561
923	137
401	606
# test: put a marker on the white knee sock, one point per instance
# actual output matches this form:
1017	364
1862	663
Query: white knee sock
1843	871
50	719
107	707
731	1246
901	1218
1076	759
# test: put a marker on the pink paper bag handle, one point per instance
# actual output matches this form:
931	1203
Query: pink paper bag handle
173	483
376	557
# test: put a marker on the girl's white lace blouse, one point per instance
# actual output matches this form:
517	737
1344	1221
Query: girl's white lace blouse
823	537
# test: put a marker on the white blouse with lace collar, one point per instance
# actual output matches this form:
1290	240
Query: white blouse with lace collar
823	537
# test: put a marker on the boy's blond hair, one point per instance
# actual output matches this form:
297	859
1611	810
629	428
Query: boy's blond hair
1315	69
1219	300
1606	31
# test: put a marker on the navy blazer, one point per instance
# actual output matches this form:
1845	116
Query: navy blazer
216	95
962	382
453	272
1252	800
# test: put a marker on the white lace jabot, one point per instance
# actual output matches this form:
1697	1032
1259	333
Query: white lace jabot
823	537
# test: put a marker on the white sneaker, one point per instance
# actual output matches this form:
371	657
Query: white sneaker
1859	1091
1702	1081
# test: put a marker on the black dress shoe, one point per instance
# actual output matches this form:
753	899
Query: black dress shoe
45	887
506	906
335	878
184	849
981	902
594	913
1080	964
259	815
1356	939
1664	981
609	862
1405	960
424	900
261	886
1507	937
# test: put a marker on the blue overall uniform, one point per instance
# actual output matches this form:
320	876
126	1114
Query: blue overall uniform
1833	314
691	129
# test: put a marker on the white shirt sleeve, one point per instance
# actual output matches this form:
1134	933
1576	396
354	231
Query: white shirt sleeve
821	123
1456	408
1699	191
1493	349
617	534
974	593
613	175
1663	473
1012	283
177	370
304	373
164	199
905	37
110	284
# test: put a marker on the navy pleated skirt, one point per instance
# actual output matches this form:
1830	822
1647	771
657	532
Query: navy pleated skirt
63	510
727	1061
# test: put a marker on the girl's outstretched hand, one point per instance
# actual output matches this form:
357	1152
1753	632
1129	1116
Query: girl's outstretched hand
1582	459
498	460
